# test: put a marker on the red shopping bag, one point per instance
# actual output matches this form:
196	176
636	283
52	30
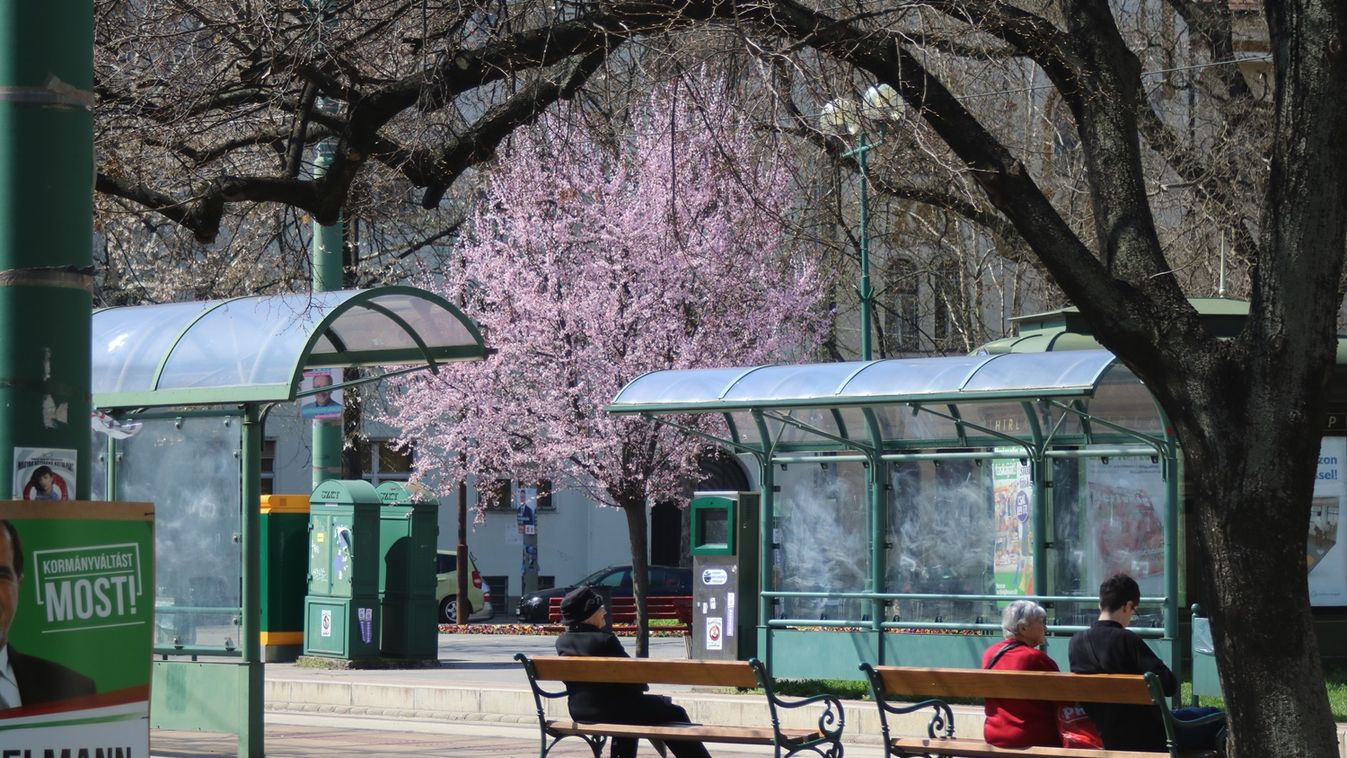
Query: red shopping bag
1076	728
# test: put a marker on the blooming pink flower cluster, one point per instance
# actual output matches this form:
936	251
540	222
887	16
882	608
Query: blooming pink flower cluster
589	264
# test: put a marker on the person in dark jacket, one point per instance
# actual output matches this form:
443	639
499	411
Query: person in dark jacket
1108	647
583	614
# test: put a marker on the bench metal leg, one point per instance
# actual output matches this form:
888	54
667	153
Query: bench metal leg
659	748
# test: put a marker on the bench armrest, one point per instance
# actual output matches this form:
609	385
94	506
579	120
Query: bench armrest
830	722
942	718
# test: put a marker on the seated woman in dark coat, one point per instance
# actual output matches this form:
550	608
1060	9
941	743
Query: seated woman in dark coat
583	613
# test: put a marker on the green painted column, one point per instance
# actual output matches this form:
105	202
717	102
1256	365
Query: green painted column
327	277
251	735
46	232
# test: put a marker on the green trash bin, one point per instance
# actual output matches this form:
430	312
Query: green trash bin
341	610
408	534
284	568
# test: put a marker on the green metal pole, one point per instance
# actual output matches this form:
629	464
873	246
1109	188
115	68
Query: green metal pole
46	234
875	480
251	730
866	292
327	277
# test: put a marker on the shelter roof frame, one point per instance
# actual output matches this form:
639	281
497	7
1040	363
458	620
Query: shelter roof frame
1028	400
255	349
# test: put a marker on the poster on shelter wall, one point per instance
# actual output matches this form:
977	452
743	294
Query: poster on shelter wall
75	583
324	404
1125	521
1325	553
1013	557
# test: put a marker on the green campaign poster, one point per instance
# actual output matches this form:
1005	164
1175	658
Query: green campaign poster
76	626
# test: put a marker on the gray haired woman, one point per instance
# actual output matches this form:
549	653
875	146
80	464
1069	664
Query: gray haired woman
1021	723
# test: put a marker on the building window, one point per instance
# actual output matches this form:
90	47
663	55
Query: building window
543	493
268	466
385	462
947	290
494	495
901	333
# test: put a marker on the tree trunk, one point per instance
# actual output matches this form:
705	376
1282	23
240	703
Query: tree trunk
635	508
1250	428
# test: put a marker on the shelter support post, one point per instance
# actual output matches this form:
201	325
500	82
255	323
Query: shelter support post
1039	472
1172	477
874	481
250	733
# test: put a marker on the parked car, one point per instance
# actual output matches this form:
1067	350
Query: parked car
664	580
446	589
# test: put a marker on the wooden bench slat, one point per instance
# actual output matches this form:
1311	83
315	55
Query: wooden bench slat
979	749
645	671
1127	689
745	735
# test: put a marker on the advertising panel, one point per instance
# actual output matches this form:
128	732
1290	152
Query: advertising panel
1013	560
76	619
1126	520
1325	554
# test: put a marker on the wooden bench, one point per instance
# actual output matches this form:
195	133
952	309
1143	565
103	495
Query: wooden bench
825	740
935	684
665	607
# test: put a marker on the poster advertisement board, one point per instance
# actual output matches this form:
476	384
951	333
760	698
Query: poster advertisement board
1325	554
1013	559
1125	519
76	624
44	473
322	405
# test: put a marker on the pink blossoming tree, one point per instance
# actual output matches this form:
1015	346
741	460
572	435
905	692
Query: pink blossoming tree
590	264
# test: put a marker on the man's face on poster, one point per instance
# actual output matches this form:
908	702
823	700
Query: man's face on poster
319	381
9	585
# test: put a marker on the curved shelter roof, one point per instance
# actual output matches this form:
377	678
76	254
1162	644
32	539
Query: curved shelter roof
255	349
970	400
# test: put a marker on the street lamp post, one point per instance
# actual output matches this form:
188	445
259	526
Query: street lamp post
845	117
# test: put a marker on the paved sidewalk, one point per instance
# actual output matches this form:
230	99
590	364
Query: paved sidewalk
289	736
477	702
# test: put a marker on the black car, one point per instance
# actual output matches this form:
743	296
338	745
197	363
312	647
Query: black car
664	580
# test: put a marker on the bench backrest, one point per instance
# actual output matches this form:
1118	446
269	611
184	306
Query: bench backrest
1127	689
677	607
644	671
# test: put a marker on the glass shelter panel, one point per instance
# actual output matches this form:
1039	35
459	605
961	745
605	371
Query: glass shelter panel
1012	372
368	326
821	419
822	533
688	386
260	336
1107	517
942	533
1007	418
899	423
1123	400
129	343
189	468
786	382
913	376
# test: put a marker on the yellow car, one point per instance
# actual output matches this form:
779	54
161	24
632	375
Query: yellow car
446	589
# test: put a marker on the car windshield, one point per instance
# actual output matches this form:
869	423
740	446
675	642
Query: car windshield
607	577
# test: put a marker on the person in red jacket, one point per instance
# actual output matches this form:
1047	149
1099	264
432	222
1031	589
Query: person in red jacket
1021	723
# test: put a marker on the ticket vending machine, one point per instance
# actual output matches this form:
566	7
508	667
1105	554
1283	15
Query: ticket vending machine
724	575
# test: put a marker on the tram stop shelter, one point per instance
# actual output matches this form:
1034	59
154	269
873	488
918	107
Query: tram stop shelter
906	501
185	389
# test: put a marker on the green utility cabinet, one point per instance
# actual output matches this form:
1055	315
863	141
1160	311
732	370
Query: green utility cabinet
341	611
724	575
284	565
408	534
